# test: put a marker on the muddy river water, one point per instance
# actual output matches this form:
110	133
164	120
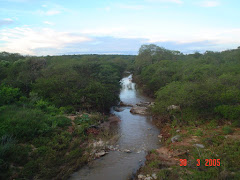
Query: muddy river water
137	134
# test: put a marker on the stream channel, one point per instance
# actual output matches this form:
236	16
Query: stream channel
137	134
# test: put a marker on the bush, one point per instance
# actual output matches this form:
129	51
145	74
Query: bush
61	121
8	94
228	111
66	110
7	146
46	107
24	123
227	130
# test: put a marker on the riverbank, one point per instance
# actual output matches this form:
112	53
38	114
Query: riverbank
86	137
201	147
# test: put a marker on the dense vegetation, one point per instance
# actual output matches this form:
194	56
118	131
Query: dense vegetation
197	97
36	94
204	86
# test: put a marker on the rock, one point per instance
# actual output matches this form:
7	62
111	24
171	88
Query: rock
199	145
127	151
111	148
154	175
139	110
140	176
99	144
152	104
173	107
160	136
148	178
123	104
178	130
118	109
100	154
143	104
175	138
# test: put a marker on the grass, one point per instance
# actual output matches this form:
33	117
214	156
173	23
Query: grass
199	132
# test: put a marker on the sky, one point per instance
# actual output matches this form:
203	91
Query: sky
56	27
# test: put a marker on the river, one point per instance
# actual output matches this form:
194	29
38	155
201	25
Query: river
137	133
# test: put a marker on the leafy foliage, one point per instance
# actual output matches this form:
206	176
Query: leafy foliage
36	93
203	85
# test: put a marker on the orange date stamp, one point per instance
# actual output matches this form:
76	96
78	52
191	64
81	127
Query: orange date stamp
208	162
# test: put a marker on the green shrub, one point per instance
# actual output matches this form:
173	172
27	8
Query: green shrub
7	146
227	130
66	110
24	123
42	151
30	170
228	111
61	121
236	123
21	154
8	94
47	107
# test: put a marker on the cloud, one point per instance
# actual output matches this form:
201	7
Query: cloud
167	1
6	21
52	12
48	13
209	3
26	40
48	23
219	37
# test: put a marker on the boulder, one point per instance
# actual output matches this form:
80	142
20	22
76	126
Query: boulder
139	110
118	109
127	151
154	175
160	136
148	178
99	143
100	154
175	138
143	104
140	176
125	105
